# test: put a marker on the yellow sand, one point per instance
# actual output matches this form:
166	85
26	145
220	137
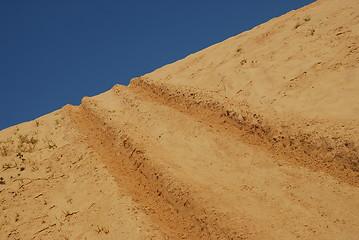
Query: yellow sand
255	137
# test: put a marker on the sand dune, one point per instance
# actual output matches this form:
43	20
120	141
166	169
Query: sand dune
255	137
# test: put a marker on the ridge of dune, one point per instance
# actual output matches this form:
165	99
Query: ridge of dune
255	137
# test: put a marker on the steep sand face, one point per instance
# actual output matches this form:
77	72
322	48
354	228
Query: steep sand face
253	138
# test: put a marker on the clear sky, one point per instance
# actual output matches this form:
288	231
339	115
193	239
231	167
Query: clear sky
53	53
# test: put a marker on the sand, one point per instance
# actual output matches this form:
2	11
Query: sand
255	137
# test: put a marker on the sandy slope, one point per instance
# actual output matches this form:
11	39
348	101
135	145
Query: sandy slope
298	73
210	147
303	63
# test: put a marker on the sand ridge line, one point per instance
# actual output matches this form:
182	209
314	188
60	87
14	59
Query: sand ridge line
163	198
295	142
250	186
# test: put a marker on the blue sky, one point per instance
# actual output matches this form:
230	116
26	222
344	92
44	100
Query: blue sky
53	53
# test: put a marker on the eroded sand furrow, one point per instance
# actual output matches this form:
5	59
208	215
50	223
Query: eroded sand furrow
300	140
163	198
197	181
